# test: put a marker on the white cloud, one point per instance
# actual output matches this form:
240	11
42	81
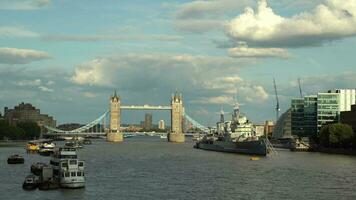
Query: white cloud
35	82
154	68
231	86
245	51
21	56
220	100
16	32
329	21
45	89
23	4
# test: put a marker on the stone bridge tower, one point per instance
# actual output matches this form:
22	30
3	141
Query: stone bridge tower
114	134
177	134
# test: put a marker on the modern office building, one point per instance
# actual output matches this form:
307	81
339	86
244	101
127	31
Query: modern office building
297	116
328	109
310	115
148	121
161	124
25	112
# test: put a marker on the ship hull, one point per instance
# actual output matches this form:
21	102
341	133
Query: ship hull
247	147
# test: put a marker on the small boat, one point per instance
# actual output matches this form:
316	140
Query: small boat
46	148
128	135
32	146
15	159
36	168
45	152
163	136
254	158
86	141
30	183
74	144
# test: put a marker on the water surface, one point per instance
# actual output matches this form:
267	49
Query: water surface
151	168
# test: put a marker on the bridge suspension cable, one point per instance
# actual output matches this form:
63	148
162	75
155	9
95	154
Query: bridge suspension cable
81	129
195	123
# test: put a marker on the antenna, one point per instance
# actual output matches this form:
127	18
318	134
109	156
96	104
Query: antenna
277	103
300	88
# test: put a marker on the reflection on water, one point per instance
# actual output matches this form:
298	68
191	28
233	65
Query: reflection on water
151	168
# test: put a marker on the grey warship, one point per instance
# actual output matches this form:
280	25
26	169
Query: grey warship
236	136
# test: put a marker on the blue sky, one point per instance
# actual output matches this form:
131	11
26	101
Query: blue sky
66	57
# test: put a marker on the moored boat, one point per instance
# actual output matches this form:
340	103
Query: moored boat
15	159
253	147
36	168
68	170
32	146
30	183
235	136
86	141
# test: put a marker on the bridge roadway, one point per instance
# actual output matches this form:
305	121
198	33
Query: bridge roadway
145	107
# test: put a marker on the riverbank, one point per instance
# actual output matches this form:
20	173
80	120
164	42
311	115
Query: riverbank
13	143
351	152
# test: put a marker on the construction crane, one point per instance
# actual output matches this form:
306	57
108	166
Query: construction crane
300	88
277	105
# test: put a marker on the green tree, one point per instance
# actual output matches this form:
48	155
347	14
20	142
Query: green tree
336	135
32	130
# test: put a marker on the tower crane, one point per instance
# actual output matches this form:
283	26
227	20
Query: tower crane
277	103
300	88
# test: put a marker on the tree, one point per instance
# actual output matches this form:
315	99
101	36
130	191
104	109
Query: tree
336	135
32	130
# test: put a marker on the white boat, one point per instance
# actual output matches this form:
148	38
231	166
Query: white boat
46	148
68	170
163	136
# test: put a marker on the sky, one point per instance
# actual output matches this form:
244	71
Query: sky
67	57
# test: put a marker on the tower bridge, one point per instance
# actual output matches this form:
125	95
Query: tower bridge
114	133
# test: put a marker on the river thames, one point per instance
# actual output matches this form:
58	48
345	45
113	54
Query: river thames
151	168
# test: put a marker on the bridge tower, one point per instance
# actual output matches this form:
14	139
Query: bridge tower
114	134
177	135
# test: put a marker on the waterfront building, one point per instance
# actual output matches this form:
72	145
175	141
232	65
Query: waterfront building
283	126
269	127
297	116
312	112
161	124
25	112
349	117
328	109
259	130
310	115
304	116
148	121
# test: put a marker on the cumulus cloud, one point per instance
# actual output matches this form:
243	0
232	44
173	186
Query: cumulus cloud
328	21
24	4
21	56
36	83
16	32
232	86
171	69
